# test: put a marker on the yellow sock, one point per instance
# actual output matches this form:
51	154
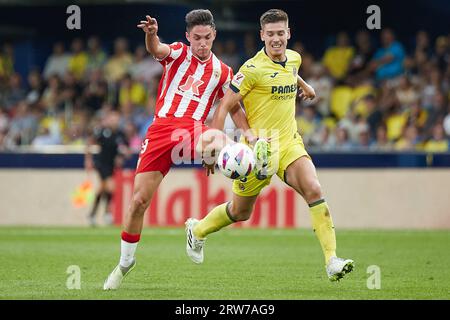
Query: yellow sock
216	219
324	228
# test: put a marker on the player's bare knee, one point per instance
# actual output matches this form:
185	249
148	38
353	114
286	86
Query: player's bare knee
140	202
313	191
240	213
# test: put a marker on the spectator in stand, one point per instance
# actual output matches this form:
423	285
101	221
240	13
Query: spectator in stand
132	91
441	56
324	139
416	116
95	92
396	120
45	137
79	59
438	142
130	113
308	122
2	140
144	68
96	57
6	62
23	126
364	141
359	65
230	55
74	134
405	92
342	142
415	63
350	123
51	100
410	140
381	142
386	97
322	84
307	64
117	65
337	59
71	90
148	115
432	85
4	121
374	115
36	88
388	60
58	62
134	140
14	93
437	113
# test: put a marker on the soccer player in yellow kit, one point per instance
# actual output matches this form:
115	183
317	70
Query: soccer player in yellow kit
267	86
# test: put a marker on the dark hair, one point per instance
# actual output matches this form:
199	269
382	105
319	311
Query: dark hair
273	15
199	17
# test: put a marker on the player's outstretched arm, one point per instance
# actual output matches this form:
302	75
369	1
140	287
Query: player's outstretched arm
228	102
240	120
154	46
307	91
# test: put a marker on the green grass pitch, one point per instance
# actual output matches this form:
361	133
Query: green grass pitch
239	264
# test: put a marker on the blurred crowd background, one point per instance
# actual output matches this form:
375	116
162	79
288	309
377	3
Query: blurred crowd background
376	91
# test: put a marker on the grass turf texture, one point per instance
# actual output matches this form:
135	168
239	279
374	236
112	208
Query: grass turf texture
239	264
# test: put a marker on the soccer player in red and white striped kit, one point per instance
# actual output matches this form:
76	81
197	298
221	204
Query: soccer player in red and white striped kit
193	79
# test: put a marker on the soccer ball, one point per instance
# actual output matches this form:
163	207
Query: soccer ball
236	161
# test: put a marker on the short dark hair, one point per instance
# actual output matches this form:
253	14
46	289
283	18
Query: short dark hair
199	17
273	15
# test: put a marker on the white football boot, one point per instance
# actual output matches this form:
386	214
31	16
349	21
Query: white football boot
261	151
194	246
337	268
117	275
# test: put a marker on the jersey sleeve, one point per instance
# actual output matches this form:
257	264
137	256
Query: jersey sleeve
245	79
176	49
226	84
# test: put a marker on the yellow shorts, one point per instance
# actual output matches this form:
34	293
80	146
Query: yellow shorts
279	161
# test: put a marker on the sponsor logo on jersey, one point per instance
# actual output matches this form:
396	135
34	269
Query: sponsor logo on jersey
284	89
192	85
237	79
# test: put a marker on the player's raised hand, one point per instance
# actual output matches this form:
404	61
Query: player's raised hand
209	168
209	162
307	93
149	26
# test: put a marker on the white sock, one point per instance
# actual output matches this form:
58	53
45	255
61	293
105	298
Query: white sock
127	251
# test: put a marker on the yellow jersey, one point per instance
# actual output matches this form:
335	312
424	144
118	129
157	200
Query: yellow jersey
268	91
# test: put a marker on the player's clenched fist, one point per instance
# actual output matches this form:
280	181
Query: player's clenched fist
149	26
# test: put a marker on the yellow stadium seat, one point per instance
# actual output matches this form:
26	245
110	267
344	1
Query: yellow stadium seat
341	98
329	122
358	94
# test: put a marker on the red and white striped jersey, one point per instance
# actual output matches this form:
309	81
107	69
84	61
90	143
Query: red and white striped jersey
189	86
